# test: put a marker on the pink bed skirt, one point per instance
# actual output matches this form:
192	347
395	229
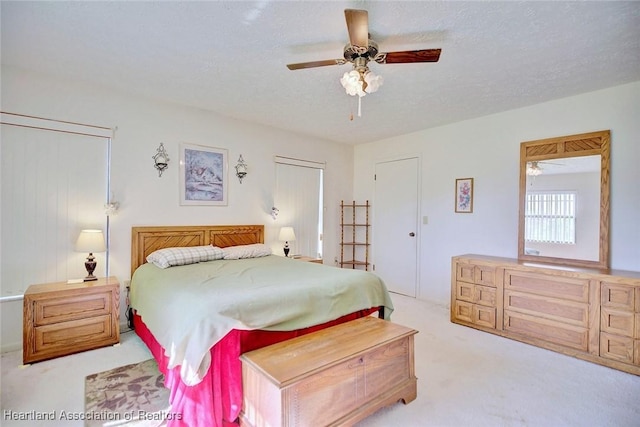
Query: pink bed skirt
217	400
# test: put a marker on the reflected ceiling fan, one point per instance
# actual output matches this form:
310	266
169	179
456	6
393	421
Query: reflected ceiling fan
534	168
360	50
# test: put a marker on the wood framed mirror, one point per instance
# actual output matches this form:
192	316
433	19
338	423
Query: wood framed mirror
564	200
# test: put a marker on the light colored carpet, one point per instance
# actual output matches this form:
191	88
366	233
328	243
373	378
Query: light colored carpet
465	378
132	395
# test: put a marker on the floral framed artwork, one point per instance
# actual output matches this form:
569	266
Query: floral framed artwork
203	175
464	195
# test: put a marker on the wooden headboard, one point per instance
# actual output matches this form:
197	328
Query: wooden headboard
145	240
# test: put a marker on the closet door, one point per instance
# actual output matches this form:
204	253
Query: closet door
395	224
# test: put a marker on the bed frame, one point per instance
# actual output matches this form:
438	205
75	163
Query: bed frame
145	240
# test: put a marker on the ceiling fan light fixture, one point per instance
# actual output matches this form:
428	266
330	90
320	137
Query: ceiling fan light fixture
352	83
533	169
373	81
360	82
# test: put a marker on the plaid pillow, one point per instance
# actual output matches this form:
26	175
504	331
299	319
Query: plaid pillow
170	257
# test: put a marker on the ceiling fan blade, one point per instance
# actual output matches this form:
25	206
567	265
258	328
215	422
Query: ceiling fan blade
313	64
358	27
408	56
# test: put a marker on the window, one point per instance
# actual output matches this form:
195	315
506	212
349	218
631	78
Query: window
299	191
550	217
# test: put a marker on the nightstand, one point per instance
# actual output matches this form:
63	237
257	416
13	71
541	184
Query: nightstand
309	259
64	318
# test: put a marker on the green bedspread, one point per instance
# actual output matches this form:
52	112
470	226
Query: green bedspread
190	308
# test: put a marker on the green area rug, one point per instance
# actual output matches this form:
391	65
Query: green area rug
131	395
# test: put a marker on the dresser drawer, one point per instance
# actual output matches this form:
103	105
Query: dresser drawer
551	308
617	322
574	289
485	295
616	347
618	296
55	310
485	275
476	273
465	291
484	316
574	337
463	311
475	313
465	272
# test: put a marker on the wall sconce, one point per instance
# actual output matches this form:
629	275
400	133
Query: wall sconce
90	241
241	169
274	212
161	159
111	208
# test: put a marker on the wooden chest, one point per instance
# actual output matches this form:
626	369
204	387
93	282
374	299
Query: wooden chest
336	376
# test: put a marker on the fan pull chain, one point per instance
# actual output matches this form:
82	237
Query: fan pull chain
359	106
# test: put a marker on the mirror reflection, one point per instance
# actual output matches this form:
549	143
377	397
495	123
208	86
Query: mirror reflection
562	208
564	200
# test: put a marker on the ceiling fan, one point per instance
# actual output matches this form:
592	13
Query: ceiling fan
360	50
534	168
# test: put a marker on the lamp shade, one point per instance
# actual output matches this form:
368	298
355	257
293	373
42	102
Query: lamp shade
90	241
287	234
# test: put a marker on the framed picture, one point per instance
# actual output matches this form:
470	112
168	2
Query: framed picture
464	195
203	175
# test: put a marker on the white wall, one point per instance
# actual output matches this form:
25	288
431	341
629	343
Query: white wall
146	199
487	149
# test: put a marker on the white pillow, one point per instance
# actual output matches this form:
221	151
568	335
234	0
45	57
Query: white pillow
255	250
169	257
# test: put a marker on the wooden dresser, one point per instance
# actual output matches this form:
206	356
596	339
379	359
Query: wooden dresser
64	318
591	314
335	376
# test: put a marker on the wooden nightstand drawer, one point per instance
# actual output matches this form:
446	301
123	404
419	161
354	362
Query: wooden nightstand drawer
78	334
71	308
64	318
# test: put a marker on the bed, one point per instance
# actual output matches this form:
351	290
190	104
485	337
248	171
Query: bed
267	309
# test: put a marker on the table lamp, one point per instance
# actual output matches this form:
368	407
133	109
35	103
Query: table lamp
90	241
286	235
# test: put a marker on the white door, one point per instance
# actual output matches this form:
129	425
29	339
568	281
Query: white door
395	224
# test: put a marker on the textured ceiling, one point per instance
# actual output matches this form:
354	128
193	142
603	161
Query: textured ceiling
230	57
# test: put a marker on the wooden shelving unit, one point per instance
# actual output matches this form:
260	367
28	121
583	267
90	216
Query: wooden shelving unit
354	235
